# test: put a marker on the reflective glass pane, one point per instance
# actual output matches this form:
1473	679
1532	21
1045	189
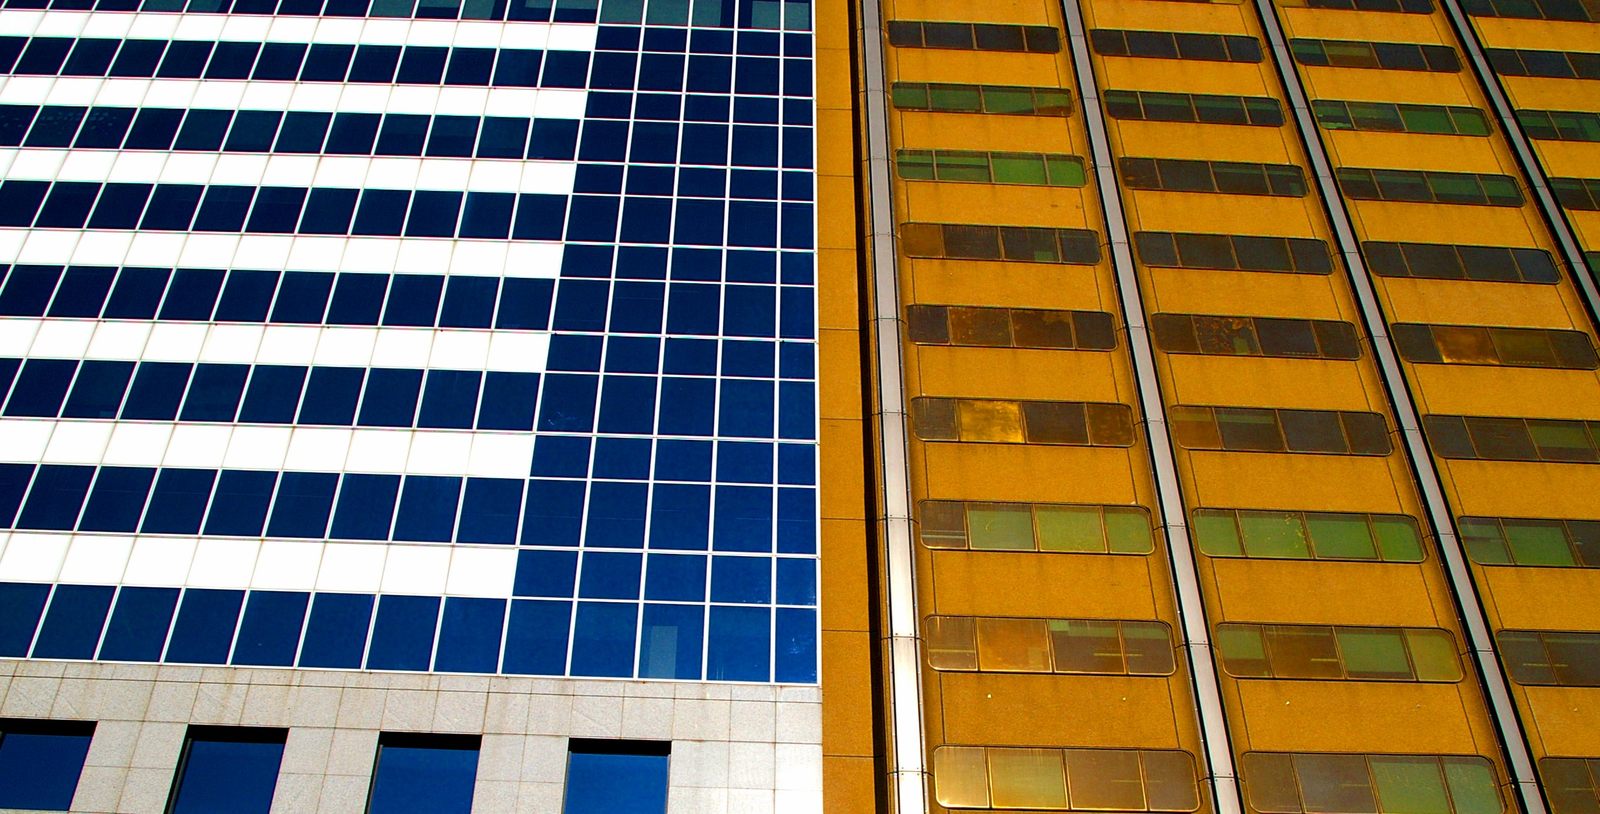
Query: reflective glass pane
1398	539
1070	528
990	420
1128	531
1051	422
1019	168
943	524
1273	534
1244	652
1341	536
1218	532
1169	781
1086	646
1249	429
1335	784
955	165
1539	542
1569	786
1473	786
1027	778
1013	645
1302	651
1433	655
1374	653
1042	329
1269	780
1105	780
988	327
960	777
952	642
1409	785
1000	526
1484	540
1148	646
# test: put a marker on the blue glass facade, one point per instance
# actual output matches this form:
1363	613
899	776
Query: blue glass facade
393	348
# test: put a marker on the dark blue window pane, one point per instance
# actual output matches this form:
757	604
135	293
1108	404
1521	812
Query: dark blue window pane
273	395
738	644
525	304
280	61
402	636
616	516
488	214
568	403
179	501
603	641
745	580
304	501
424	773
382	212
247	295
336	633
14	480
451	399
327	63
277	210
158	388
331	396
796	648
303	132
40	763
327	212
554	139
375	63
453	135
366	507
270	631
303	296
610	576
670	643
427	509
20	607
744	519
503	137
83	292
119	206
240	507
68	205
469	301
414	300
687	406
628	405
683	460
138	626
203	632
422	65
518	68
193	294
797	521
490	511
41	387
622	458
391	398
233	770
358	299
28	290
469	635
56	498
352	133
117	499
545	573
554	513
137	293
746	409
676	577
434	214
214	393
680	516
540	217
72	626
508	401
536	638
610	780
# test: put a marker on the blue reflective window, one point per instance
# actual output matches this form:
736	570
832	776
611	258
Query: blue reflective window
56	498
490	510
366	507
738	644
40	762
616	516
602	642
117	499
157	390
427	509
20	607
796	645
424	773
680	516
138	627
203	632
233	769
72	626
83	292
616	777
273	395
610	575
451	399
536	638
336	632
304	501
746	580
469	301
331	395
214	393
240	505
270	631
358	299
469	635
391	398
402	635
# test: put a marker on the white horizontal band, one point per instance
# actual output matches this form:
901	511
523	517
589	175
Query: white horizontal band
287	28
380	451
384	255
255	169
247	344
263	94
273	565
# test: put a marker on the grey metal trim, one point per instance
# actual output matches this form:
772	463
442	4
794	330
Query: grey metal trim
1480	639
908	775
1532	168
1221	774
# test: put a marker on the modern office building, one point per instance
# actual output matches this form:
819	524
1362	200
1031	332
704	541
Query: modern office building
775	406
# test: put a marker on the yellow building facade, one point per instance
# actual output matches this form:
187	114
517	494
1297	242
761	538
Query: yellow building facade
1229	402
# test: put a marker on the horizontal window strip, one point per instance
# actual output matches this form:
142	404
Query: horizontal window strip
971	326
1428	186
1158	106
1228	177
1560	125
1256	336
1257	429
1071	423
26	15
1573	783
1338	653
1046	527
1302	782
1392	117
1545	64
1071	646
1577	193
1584	11
542	103
1056	779
1493	345
1037	39
1448	261
1175	45
1012	100
760	18
1394	56
456	634
345	173
1551	658
395	213
1491	438
376	506
287	62
1527	541
1022	244
285	298
1400	6
1233	252
1034	169
1296	535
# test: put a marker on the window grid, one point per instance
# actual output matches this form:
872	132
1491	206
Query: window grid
1298	535
983	327
1551	658
1447	261
1574	10
1252	429
1033	169
1392	117
1035	39
1338	653
1256	336
1570	782
1490	345
1227	177
1398	6
1394	56
1526	541
1488	438
1546	64
1233	252
1045	527
1202	108
1175	45
1292	783
1021	244
793	15
1014	100
1071	423
1577	193
1427	186
1055	779
1560	125
1061	646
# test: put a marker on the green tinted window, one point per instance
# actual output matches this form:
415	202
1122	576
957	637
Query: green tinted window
1070	528
910	96
1398	540
1000	527
1341	536
1273	534
1410	785
1433	655
961	166
1539	543
915	165
1244	652
1218	533
1065	171
961	98
1473	786
1128	530
1373	653
1421	119
1019	168
1484	542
